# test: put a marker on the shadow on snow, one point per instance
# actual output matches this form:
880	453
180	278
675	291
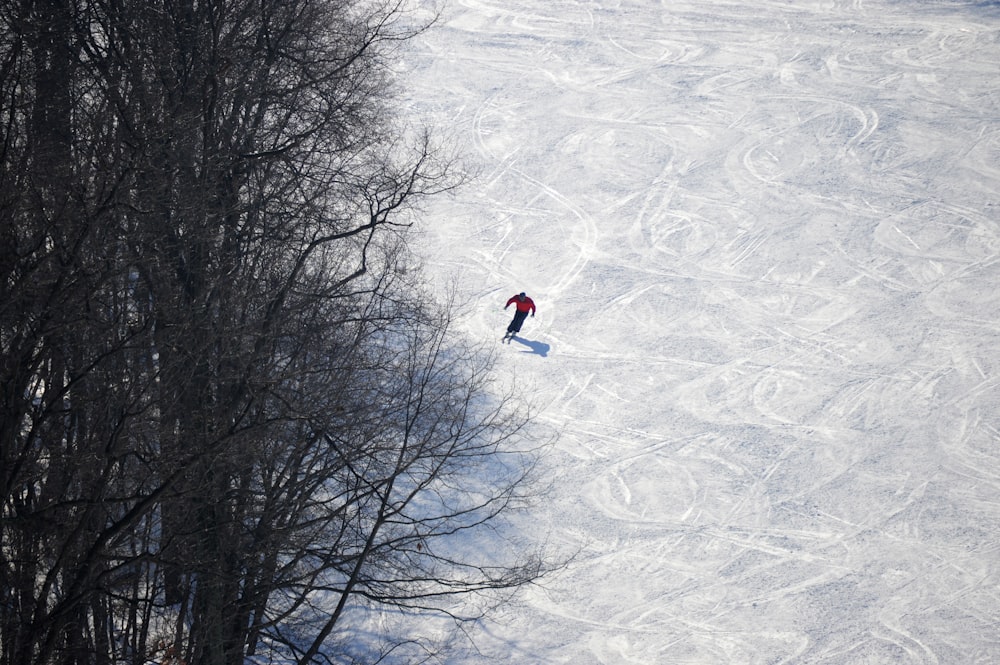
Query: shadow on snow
538	348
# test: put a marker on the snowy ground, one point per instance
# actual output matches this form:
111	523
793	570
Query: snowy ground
764	240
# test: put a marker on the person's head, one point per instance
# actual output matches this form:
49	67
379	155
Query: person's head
521	296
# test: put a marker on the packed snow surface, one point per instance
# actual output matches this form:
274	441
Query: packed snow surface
764	242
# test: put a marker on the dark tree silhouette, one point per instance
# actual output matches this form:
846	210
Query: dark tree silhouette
228	413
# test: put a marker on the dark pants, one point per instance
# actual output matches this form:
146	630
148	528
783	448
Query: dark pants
515	323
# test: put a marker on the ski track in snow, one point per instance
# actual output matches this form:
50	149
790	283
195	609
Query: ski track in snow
764	240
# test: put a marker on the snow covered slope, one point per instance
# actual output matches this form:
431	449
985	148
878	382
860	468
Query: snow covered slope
764	241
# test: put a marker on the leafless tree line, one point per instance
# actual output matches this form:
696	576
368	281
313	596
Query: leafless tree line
229	415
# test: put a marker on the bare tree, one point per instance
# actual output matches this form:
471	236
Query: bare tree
227	413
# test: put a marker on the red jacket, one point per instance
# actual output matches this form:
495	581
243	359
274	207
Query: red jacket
526	305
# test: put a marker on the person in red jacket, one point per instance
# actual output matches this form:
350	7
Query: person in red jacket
522	304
